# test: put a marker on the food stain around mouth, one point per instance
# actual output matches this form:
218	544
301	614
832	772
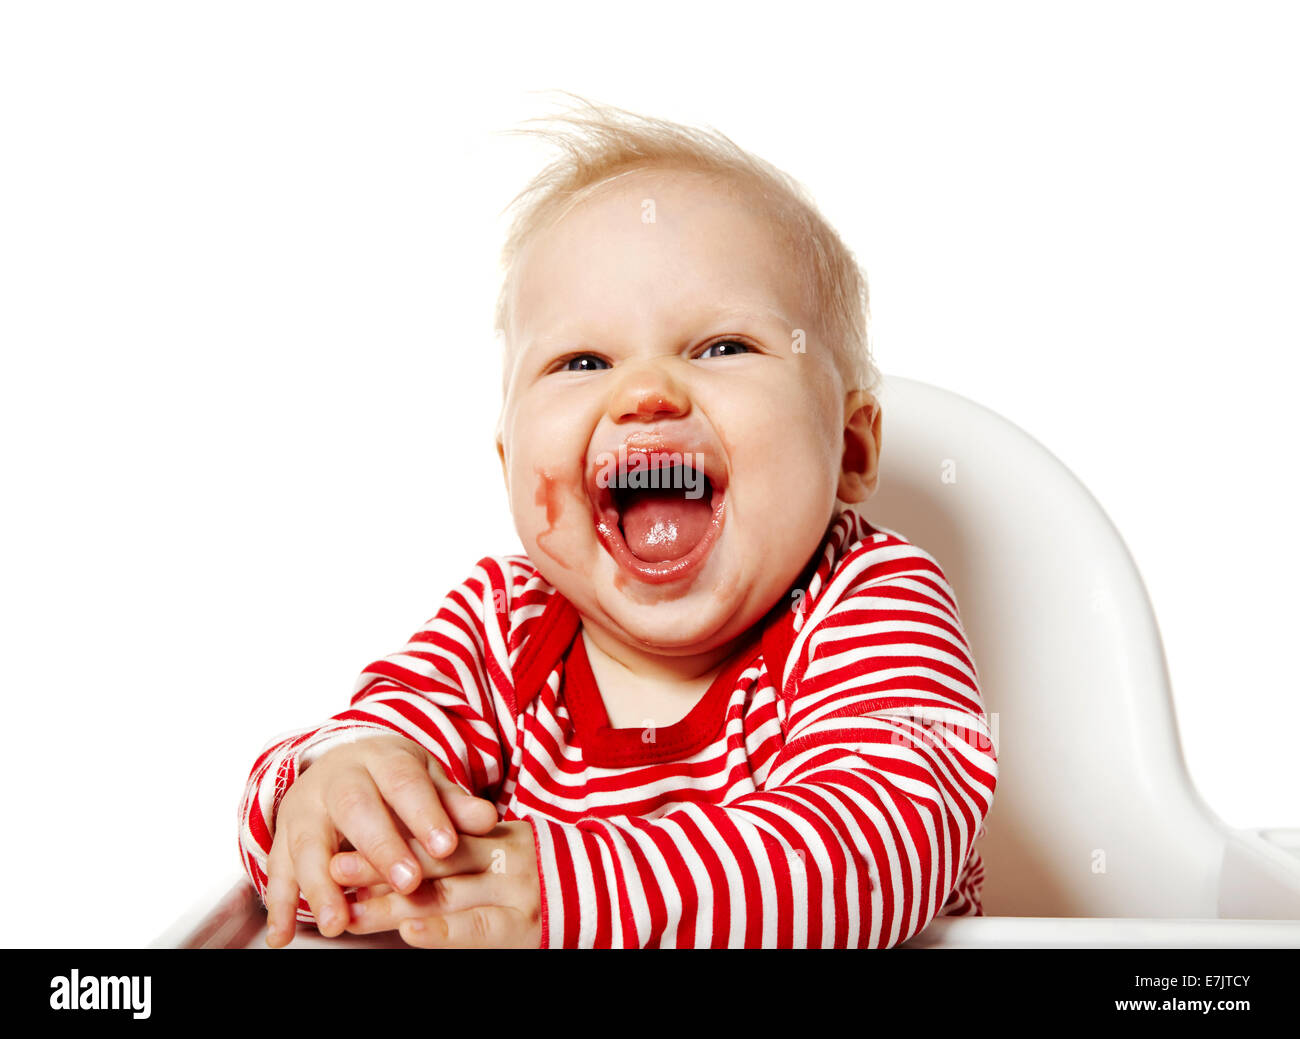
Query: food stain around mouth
550	495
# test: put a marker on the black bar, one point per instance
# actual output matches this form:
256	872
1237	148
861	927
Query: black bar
827	990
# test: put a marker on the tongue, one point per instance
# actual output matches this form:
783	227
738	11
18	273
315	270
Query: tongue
664	524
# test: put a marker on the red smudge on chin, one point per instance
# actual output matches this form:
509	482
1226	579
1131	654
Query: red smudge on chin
621	581
638	592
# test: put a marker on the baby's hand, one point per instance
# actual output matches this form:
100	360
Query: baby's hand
347	794
486	895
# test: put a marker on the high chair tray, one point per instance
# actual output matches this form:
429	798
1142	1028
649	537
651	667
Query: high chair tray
238	921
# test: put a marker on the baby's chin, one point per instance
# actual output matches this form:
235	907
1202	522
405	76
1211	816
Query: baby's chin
681	627
695	616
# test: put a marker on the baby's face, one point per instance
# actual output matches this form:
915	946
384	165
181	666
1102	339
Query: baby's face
659	323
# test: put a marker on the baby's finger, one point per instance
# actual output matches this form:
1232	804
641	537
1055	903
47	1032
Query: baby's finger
410	789
451	894
281	896
481	927
362	817
470	814
311	855
351	868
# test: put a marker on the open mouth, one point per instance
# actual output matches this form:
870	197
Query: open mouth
660	519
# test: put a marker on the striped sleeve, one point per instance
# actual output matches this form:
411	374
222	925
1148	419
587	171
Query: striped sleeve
438	691
860	828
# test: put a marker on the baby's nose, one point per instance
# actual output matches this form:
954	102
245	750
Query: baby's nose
648	395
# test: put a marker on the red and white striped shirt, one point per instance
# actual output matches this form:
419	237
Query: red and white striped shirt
826	790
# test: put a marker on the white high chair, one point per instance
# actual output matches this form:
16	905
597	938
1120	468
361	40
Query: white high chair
1094	813
1096	835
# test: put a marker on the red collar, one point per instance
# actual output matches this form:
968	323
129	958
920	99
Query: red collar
555	640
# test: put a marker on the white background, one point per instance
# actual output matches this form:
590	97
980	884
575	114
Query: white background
247	263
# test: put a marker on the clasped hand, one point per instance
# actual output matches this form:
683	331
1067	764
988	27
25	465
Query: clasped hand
470	881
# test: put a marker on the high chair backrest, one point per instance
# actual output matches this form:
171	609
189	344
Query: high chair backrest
1094	813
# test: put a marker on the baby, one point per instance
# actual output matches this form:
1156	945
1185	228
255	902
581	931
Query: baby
711	705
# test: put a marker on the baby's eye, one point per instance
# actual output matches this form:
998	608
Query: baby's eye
582	363
724	348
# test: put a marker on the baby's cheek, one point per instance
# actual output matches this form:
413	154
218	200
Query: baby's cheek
557	518
791	493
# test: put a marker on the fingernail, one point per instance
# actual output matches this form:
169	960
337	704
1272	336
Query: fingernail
402	876
348	864
415	925
358	910
441	841
329	917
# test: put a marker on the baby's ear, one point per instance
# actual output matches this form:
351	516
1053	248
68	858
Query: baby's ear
860	467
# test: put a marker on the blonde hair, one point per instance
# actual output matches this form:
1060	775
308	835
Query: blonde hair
599	142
